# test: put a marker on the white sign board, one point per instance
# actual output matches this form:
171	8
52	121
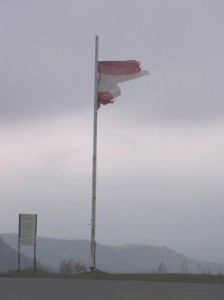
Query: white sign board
27	229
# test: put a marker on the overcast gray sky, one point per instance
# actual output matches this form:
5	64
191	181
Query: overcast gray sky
160	145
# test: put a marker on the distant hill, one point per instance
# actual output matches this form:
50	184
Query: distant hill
115	259
9	258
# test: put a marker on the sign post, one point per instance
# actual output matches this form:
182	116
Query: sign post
27	234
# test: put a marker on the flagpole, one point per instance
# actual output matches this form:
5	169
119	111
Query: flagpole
93	218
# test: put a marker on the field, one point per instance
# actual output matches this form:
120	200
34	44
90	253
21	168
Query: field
98	275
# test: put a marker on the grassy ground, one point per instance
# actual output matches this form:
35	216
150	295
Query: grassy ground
199	278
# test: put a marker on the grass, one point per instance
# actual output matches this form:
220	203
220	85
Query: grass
98	275
199	278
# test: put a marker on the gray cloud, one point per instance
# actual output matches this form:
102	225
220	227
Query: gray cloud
48	56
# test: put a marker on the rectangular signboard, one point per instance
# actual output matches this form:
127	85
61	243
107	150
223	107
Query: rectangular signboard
27	229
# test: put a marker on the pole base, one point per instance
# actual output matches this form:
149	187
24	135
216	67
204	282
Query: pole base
92	269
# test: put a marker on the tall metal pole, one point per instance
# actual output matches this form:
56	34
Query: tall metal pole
19	246
35	247
93	218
